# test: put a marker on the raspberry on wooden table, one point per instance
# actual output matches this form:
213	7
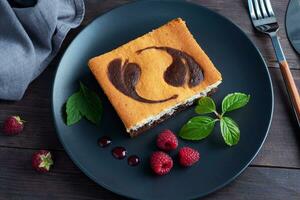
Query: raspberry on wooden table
42	161
13	125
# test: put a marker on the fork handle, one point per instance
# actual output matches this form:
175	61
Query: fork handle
291	87
287	76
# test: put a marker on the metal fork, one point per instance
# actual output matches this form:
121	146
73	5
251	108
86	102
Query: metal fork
264	20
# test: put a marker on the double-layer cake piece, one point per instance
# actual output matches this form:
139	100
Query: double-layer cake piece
150	78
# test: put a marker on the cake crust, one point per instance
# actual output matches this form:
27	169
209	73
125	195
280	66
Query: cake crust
138	77
134	133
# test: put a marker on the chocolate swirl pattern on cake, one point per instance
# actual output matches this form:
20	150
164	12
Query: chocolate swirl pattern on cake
125	77
183	67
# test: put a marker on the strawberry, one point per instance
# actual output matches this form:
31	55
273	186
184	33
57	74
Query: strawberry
167	140
13	125
42	161
161	163
188	156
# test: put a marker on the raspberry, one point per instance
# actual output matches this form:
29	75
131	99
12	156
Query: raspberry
161	163
42	161
13	125
167	140
188	156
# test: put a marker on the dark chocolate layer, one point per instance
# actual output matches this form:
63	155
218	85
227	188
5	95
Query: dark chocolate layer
166	116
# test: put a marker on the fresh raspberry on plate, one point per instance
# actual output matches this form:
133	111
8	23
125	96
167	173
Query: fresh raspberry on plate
188	156
13	125
42	161
167	140
161	163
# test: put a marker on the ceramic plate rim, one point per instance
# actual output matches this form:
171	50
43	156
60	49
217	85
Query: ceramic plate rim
102	184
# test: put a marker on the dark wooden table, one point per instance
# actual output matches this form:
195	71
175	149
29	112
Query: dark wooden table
274	174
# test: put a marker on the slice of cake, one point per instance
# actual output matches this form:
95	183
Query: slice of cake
150	78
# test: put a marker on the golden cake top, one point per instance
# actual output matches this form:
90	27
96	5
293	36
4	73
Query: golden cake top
154	72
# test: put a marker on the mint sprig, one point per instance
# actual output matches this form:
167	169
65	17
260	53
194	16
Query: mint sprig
197	128
84	103
201	127
205	105
73	113
234	101
230	131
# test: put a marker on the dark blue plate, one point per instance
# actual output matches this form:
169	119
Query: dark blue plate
241	65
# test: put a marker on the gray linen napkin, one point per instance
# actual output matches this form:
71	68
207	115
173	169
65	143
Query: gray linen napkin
29	39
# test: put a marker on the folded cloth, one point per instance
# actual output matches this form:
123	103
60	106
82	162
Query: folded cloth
29	39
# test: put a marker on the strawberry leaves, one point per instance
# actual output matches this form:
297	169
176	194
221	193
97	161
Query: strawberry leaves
201	127
84	103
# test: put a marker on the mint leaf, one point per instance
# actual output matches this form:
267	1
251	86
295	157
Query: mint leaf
73	114
205	105
92	109
197	128
84	103
234	101
230	131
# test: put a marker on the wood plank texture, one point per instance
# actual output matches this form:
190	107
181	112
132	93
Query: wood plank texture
291	88
282	147
237	11
274	174
65	181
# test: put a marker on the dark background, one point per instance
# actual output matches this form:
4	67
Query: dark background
274	174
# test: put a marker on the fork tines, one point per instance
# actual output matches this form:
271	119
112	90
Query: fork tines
260	9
